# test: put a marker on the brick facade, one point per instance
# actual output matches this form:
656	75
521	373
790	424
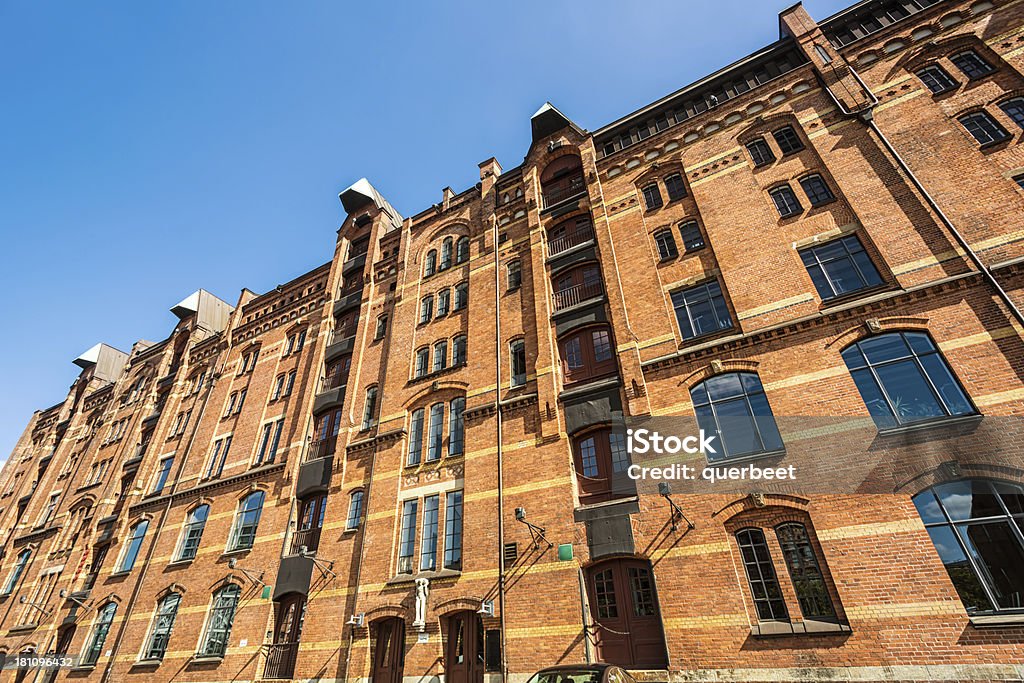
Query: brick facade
321	388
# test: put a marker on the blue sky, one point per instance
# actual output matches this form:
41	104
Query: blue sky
150	149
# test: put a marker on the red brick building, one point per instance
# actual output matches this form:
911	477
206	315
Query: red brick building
408	462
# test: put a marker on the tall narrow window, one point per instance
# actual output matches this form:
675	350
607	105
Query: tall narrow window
446	254
701	310
764	586
600	458
734	407
587	353
278	387
440	356
444	298
415	437
407	537
192	534
517	355
976	526
675	186
971	63
100	629
1014	109
785	201
666	245
422	362
840	267
311	521
19	569
131	550
162	473
462	250
816	190
382	327
453	530
904	379
456	426
983	128
222	617
461	296
514	274
788	140
805	572
219	457
693	240
426	309
269	442
163	624
936	79
431	264
428	535
435	432
652	196
370	409
247	520
290	384
459	350
355	509
760	152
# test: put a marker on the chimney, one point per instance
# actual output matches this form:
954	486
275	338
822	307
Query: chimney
489	172
446	198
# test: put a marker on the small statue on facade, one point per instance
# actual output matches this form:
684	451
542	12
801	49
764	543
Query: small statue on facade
422	590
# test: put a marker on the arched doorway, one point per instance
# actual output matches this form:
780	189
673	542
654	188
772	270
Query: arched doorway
288	618
464	648
389	650
625	612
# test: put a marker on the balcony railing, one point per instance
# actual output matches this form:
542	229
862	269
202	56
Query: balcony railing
281	661
557	191
574	236
310	538
575	294
334	380
321	449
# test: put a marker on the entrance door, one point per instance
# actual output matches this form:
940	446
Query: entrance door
60	649
624	609
291	611
464	649
389	652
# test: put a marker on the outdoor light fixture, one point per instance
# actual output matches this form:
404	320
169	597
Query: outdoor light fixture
325	566
233	564
356	619
536	532
25	601
71	596
677	514
486	608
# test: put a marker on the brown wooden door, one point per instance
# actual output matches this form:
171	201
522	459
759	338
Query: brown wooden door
288	619
389	650
464	648
624	609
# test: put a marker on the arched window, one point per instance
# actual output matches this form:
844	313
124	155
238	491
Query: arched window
805	571
131	550
976	526
446	253
435	432
505	198
764	585
415	437
218	626
247	519
311	521
431	264
462	250
440	356
601	460
444	298
586	354
426	309
903	379
370	409
422	362
100	629
562	179
456	426
355	509
514	274
192	533
1014	108
577	285
19	569
458	350
734	408
461	296
163	624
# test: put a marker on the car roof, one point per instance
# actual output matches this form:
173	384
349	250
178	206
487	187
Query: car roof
597	666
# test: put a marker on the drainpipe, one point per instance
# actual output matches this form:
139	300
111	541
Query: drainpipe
498	429
152	546
867	116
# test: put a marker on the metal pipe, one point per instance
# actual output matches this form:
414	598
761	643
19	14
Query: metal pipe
498	429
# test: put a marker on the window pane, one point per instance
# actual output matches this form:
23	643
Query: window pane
407	537
643	592
968	499
428	537
588	456
453	531
911	397
966	582
998	553
604	591
764	587
804	571
948	388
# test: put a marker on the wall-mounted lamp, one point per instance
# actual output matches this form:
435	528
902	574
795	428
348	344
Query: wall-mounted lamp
356	619
325	566
677	514
536	532
71	596
25	601
233	564
486	608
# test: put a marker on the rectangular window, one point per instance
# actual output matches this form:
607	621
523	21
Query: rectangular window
785	201
652	196
435	432
428	535
816	190
936	79
290	384
422	356
983	127
369	409
788	140
231	405
415	437
444	298
764	586
278	388
666	245
407	537
693	240
440	356
971	63
675	186
220	456
1015	110
459	350
514	275
518	362
1019	179
453	530
760	152
701	310
161	475
840	267
269	441
426	309
456	426
382	327
241	400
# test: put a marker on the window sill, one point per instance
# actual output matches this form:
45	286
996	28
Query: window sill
180	563
120	574
83	667
849	297
208	659
773	629
938	423
235	551
434	574
995	143
997	620
147	663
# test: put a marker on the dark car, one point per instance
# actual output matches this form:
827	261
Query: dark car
582	673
